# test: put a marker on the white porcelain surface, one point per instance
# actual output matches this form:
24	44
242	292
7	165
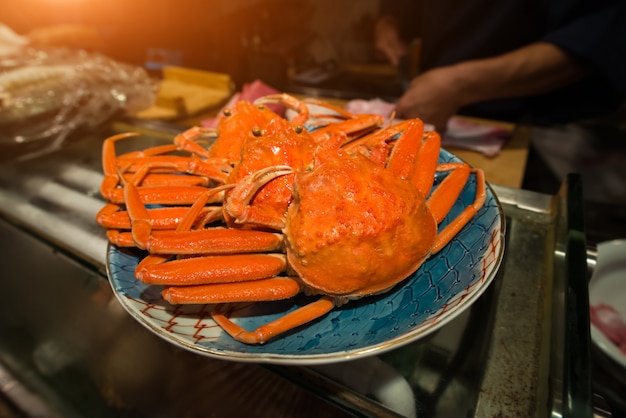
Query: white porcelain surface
608	287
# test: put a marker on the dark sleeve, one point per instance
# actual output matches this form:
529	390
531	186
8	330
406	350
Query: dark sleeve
598	39
406	13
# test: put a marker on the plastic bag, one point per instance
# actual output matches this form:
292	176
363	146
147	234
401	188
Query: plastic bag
47	94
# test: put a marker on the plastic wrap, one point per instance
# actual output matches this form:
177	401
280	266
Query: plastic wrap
48	94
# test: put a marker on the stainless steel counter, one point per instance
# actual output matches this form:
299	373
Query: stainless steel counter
521	350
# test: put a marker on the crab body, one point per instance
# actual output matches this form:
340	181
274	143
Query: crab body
257	203
353	229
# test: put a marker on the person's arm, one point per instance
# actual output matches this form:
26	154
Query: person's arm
397	25
538	68
535	69
387	40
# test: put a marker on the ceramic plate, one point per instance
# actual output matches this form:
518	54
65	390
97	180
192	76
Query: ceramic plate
444	286
607	300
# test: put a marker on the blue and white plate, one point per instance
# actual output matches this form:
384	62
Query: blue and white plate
442	288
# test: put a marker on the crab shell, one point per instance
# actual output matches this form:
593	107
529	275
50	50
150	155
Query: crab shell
235	125
354	228
278	143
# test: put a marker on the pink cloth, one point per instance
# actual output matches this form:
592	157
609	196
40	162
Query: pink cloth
375	106
609	321
479	137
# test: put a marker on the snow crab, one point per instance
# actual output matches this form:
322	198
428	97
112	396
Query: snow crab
249	138
336	214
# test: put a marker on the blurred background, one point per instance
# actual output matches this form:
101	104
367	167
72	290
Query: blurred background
320	47
248	39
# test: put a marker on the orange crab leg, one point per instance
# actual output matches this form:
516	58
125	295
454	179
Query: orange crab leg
426	163
273	288
138	160
375	146
238	203
109	163
108	217
187	141
119	238
184	240
352	127
339	110
109	157
149	152
132	161
406	151
191	217
141	224
279	326
212	240
290	102
443	198
209	269
338	114
165	195
160	179
341	113
148	167
205	241
415	154
140	219
215	169
112	216
178	190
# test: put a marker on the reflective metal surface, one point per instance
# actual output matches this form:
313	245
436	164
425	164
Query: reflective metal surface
60	325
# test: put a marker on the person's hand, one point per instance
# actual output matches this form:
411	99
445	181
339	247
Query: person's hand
431	97
387	40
